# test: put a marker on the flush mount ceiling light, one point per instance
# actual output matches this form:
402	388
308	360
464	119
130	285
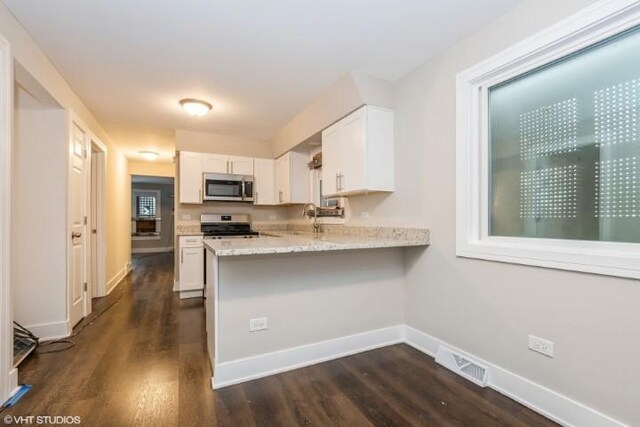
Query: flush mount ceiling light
149	155
195	107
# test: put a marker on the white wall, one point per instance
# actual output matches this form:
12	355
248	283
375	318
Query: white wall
151	168
489	308
305	304
34	61
217	143
8	375
39	218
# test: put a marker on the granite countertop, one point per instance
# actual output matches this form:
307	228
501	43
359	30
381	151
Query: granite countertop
283	242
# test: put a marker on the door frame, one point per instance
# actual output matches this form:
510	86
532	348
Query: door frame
99	288
8	374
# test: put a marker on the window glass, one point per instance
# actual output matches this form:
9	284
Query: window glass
146	206
565	147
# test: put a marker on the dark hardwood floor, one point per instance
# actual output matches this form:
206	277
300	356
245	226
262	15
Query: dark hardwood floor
144	362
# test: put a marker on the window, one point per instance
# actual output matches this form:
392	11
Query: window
146	206
565	147
549	148
145	203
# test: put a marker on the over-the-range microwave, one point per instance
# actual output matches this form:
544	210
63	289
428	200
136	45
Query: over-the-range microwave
228	187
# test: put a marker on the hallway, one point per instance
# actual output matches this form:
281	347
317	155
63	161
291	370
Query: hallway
141	363
144	362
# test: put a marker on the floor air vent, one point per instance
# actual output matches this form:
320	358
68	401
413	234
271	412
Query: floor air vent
462	366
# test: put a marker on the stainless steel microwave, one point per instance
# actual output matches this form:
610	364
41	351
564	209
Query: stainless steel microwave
228	187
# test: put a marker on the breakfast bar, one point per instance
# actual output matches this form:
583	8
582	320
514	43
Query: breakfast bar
292	298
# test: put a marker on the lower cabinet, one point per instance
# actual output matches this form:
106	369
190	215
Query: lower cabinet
191	266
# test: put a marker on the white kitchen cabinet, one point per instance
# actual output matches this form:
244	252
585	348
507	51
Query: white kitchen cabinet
215	163
190	177
292	178
357	153
191	274
241	165
219	163
264	182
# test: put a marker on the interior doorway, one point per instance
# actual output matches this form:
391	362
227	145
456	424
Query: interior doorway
152	214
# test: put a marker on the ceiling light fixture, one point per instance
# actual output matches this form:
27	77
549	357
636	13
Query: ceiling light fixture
149	155
195	107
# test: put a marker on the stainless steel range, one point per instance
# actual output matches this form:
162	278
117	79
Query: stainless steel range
220	226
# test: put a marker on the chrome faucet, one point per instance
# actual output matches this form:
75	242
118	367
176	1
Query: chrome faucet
316	226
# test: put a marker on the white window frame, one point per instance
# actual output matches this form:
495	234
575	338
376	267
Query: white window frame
593	24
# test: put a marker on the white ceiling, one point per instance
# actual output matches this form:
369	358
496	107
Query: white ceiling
259	62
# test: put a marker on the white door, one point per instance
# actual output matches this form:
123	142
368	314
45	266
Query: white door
77	214
241	165
215	163
190	177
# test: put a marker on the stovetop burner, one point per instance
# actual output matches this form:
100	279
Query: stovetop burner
216	226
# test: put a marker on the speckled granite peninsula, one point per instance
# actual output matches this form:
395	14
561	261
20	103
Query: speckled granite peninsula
291	239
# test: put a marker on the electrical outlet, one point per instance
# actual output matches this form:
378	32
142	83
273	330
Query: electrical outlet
364	215
186	217
257	324
272	217
541	346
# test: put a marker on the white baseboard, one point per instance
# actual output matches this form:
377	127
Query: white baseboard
13	381
50	331
557	407
120	275
241	370
546	402
198	293
151	250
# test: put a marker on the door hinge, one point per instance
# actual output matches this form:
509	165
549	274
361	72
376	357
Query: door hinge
85	286
85	220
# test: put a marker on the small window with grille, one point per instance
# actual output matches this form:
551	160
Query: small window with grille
146	206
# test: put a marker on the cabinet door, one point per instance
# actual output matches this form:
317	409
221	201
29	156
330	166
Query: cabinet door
215	163
265	182
330	160
190	177
191	269
283	176
241	165
353	153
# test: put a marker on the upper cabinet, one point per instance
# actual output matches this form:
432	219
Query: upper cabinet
217	163
357	153
265	181
190	177
292	178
